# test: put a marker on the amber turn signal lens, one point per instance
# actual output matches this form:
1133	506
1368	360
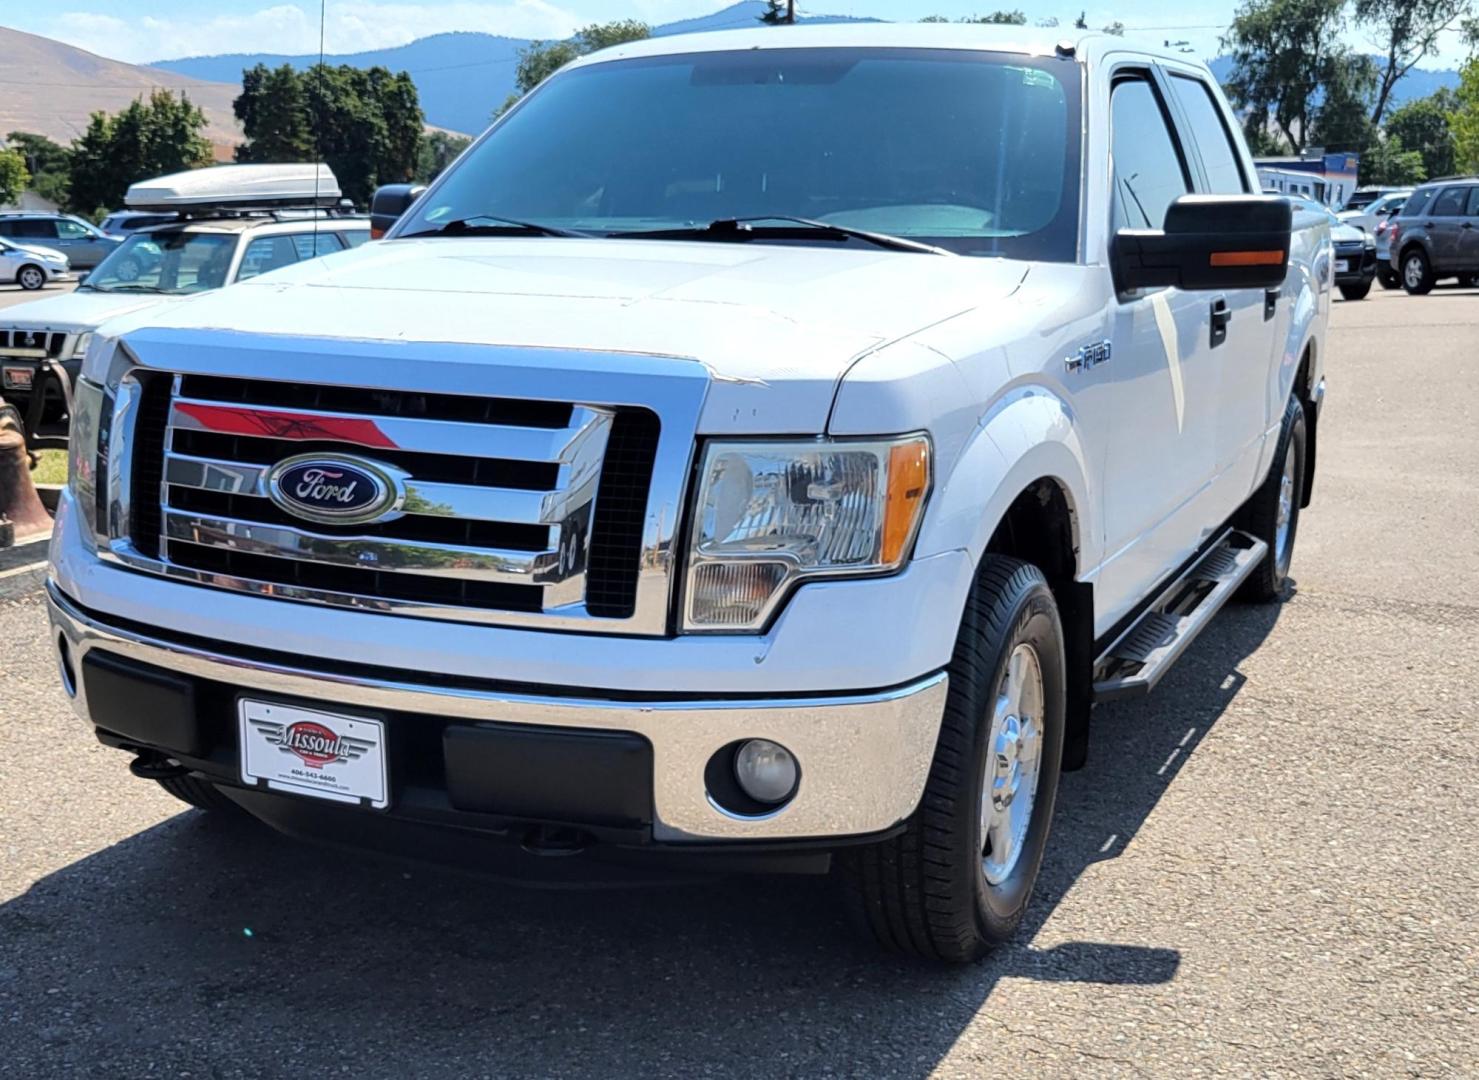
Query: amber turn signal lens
908	483
1247	258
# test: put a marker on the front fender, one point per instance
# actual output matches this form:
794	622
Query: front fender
1027	435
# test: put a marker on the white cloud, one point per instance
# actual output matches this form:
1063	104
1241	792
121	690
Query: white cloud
350	26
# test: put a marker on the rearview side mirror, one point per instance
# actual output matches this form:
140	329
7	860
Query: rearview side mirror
1208	242
387	205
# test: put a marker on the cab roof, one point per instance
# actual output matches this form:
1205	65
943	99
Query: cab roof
1081	45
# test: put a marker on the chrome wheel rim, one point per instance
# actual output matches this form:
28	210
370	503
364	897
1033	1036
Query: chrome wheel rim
1013	765
31	279
1412	272
1286	508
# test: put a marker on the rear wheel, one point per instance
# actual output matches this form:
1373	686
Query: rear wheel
31	278
1272	514
1417	275
201	794
956	882
1356	292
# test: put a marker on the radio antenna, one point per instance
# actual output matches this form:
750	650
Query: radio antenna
318	128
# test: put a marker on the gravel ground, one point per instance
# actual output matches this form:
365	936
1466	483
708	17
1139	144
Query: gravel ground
1269	867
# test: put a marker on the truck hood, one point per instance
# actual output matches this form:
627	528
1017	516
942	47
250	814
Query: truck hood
783	321
79	311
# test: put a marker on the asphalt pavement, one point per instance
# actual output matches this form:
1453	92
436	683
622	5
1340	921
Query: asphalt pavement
1270	867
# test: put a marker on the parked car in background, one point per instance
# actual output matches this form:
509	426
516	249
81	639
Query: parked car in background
1367	217
1363	197
221	238
1436	236
124	223
1385	273
1355	251
81	242
31	267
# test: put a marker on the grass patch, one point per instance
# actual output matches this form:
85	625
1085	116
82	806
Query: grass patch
53	467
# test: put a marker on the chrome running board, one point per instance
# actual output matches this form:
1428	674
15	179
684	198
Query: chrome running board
1145	652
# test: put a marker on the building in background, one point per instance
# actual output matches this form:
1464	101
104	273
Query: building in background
1326	178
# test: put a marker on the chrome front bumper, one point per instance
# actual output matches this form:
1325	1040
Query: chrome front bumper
864	757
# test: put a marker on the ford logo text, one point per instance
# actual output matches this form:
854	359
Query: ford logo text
333	489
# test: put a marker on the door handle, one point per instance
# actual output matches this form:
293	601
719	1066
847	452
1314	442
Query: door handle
1221	316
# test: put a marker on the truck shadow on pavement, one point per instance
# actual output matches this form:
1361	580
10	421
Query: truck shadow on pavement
220	949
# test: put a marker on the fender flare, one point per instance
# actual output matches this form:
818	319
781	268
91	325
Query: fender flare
1027	435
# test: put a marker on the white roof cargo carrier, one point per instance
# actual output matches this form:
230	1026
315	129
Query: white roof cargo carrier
240	187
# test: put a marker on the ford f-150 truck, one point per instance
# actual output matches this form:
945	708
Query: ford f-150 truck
759	451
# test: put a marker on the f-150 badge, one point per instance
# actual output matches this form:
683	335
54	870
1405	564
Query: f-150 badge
1089	356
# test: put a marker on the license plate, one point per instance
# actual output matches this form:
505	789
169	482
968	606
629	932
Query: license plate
1341	266
19	378
306	752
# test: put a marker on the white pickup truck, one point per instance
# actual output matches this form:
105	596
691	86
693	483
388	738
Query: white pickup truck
758	452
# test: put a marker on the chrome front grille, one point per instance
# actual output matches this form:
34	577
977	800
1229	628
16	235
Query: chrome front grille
514	511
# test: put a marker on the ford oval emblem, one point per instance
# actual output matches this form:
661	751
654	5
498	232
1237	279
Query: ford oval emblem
335	490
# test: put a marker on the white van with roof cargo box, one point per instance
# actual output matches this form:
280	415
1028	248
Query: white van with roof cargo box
758	451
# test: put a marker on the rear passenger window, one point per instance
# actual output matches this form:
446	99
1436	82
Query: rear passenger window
1417	203
1214	142
1473	210
309	245
266	253
1450	203
1148	172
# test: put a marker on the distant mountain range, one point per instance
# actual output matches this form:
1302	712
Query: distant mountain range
461	77
1417	83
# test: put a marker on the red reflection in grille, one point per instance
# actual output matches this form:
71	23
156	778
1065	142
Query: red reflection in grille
234	420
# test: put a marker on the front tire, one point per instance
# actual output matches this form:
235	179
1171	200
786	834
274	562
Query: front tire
31	278
1356	292
1387	276
957	881
1272	514
1417	275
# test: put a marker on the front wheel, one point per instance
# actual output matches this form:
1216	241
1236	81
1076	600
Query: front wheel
1272	514
31	278
956	882
1387	276
1356	292
1417	275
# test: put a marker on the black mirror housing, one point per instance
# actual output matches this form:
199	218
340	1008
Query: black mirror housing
387	205
1209	242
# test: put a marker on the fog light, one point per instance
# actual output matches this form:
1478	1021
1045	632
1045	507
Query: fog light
765	770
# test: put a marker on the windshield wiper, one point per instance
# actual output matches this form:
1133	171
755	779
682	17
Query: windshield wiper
123	288
499	226
743	228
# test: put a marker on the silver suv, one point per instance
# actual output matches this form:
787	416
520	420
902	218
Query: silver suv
1437	235
82	243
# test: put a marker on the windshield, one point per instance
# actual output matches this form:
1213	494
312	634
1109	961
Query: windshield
971	151
173	262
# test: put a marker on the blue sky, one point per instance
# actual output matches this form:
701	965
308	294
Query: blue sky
121	29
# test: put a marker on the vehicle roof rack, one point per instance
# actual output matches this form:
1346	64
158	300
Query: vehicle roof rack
226	188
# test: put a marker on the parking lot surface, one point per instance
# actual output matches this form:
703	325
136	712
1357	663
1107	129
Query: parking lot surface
10	295
1271	866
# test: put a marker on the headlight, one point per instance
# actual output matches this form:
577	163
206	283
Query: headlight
769	514
83	466
79	350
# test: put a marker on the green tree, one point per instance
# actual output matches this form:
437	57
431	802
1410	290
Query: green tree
1423	126
1000	18
1116	28
1082	22
1341	121
1386	164
1282	53
540	59
273	110
1409	32
13	175
934	19
49	163
1465	119
365	124
1262	142
437	150
145	139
